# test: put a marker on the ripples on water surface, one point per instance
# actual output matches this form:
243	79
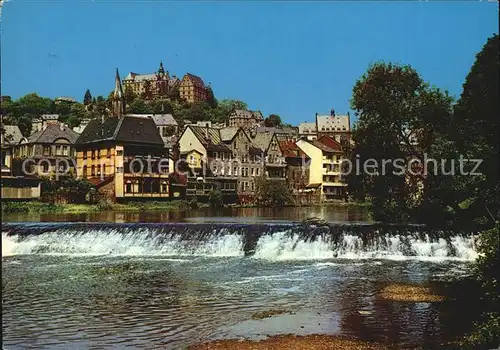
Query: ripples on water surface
157	286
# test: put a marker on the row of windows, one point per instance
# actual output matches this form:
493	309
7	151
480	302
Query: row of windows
95	153
244	171
154	187
58	150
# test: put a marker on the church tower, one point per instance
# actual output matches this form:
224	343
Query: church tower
162	79
118	97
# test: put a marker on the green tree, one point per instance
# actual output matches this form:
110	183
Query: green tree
272	193
487	331
211	100
101	107
138	106
399	117
215	199
147	94
229	105
476	130
273	120
87	99
129	95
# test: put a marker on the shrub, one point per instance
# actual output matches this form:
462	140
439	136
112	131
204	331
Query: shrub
215	199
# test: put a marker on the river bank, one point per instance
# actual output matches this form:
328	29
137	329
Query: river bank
69	208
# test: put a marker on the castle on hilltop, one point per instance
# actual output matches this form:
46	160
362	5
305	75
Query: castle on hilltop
161	83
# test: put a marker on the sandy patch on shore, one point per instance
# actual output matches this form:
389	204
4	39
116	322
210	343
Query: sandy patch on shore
410	293
292	342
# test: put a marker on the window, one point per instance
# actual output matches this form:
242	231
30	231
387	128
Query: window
164	187
252	186
84	154
119	152
257	171
84	171
65	150
216	155
46	150
58	150
128	187
92	170
119	169
108	153
235	171
45	167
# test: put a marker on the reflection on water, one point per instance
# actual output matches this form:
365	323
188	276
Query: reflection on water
329	213
153	302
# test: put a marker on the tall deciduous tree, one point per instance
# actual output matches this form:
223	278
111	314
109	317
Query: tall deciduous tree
476	121
273	120
399	118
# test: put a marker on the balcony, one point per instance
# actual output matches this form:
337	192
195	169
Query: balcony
333	184
331	172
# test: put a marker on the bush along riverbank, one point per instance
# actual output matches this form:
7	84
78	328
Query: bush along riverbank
107	205
41	207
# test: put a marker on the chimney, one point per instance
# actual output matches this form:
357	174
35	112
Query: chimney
332	112
206	132
61	126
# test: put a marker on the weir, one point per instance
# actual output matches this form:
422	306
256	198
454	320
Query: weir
283	241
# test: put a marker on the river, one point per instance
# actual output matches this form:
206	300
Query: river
158	280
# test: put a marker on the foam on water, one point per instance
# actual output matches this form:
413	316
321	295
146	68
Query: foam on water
272	244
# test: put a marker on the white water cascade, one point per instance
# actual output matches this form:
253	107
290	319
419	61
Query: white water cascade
271	244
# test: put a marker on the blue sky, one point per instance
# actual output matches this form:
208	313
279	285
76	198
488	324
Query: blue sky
290	58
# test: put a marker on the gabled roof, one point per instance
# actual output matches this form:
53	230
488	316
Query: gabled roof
262	140
159	119
227	134
53	132
124	129
195	79
327	144
241	113
291	150
210	138
206	135
12	135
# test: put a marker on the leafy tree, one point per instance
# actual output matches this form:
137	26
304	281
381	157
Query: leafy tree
229	105
400	117
174	94
215	199
487	333
273	120
476	130
272	193
211	100
147	94
129	95
140	107
101	107
87	99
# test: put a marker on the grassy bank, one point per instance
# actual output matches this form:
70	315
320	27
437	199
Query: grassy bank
39	207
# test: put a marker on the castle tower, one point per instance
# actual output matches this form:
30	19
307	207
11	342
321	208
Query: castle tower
162	79
118	97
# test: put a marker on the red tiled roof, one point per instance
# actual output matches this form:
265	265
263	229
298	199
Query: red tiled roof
196	79
290	149
330	143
